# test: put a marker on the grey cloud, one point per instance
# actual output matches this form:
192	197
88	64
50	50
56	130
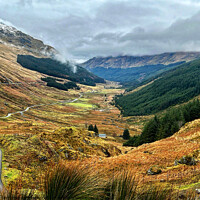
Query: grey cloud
83	29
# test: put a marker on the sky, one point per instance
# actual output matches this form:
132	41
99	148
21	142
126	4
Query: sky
82	29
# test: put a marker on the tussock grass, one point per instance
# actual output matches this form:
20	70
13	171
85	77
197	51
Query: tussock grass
77	181
17	194
122	186
155	192
71	181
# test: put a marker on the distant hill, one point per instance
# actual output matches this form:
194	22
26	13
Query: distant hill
136	68
173	87
54	68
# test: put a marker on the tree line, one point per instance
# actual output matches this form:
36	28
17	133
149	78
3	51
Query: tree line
57	69
52	82
173	87
167	124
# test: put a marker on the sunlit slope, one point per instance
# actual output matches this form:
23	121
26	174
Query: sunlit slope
161	154
173	87
21	87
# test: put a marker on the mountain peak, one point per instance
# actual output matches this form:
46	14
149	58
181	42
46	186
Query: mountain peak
11	35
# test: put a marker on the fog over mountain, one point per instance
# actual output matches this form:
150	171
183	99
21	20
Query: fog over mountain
84	29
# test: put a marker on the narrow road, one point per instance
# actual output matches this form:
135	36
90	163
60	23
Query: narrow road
39	105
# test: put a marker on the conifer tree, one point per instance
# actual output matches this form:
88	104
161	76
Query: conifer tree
90	127
96	130
126	134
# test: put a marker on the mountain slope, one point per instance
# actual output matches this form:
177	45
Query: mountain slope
134	69
131	76
137	61
54	68
14	37
173	87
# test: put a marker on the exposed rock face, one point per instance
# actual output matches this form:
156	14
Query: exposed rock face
11	35
137	61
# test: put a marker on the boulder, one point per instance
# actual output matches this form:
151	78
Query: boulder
187	160
154	170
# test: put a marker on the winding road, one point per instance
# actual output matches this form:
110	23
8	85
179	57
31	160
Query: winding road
39	105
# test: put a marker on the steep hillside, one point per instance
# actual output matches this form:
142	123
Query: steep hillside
12	36
138	61
54	68
162	154
173	87
134	69
132	76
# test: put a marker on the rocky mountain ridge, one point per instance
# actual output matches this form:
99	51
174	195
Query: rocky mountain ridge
138	61
14	37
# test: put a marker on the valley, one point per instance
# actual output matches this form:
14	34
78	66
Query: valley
47	108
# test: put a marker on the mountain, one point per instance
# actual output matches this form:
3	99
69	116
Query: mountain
14	37
138	61
11	36
173	87
134	69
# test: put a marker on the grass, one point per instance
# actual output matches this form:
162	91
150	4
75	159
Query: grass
82	105
70	182
17	194
122	186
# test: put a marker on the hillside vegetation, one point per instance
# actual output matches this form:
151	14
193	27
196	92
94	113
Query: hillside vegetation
54	68
173	87
165	126
131	76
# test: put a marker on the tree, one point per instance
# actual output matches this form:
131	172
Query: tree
126	134
90	127
96	129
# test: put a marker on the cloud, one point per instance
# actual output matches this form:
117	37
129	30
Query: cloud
83	29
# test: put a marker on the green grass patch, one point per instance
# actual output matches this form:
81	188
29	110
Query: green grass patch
82	105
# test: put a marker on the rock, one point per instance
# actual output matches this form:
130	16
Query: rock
187	160
148	152
81	149
175	162
66	155
86	142
154	170
43	159
162	180
106	152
